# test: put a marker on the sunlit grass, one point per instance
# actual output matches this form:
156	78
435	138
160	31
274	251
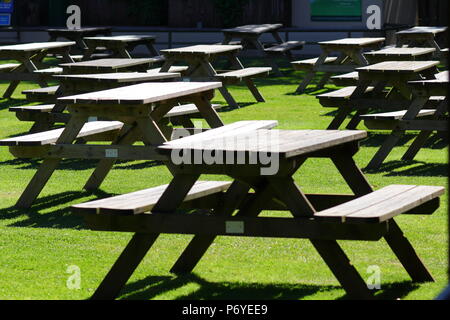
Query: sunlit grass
38	245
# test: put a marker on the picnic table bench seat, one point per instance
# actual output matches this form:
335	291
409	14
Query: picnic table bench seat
351	78
346	79
239	75
396	115
51	136
50	71
376	207
46	94
285	47
143	201
338	97
308	64
7	67
174	69
383	204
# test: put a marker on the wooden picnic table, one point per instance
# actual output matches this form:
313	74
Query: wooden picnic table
77	35
323	219
30	67
199	59
108	66
45	116
420	36
399	54
416	118
136	113
381	86
120	45
249	37
350	56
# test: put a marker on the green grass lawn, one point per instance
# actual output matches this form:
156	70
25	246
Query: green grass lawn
38	245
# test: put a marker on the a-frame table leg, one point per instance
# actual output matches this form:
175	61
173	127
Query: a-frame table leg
200	244
395	135
424	135
47	168
405	252
141	243
310	75
330	251
124	267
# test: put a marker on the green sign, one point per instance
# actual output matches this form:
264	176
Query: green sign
335	10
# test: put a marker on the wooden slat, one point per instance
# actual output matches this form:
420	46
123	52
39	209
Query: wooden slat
396	115
382	204
54	70
33	109
37	46
360	42
344	93
399	66
172	69
442	75
125	38
202	49
107	63
312	61
186	109
235	128
49	137
286	46
143	93
245	73
421	30
120	77
8	66
42	91
144	200
393	52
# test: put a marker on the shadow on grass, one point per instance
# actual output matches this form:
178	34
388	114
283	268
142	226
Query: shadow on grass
436	141
8	103
420	169
77	164
65	164
153	286
377	139
228	108
60	218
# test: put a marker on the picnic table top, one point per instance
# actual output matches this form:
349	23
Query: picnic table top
286	143
409	51
119	77
143	93
398	67
108	63
254	28
125	38
202	49
355	42
78	31
36	46
422	30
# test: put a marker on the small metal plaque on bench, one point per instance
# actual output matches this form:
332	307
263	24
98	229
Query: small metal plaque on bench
92	119
111	153
234	227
